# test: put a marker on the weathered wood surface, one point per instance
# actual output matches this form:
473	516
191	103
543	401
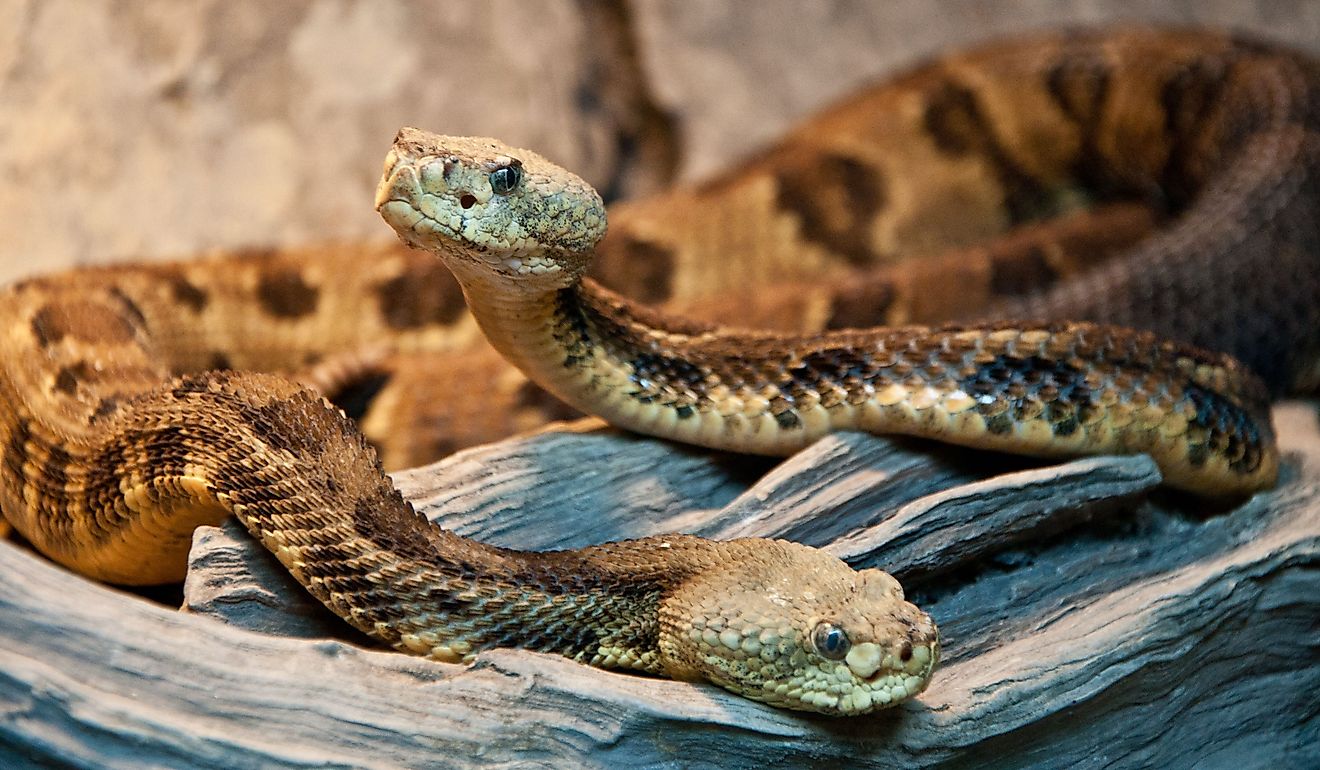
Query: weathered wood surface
1087	624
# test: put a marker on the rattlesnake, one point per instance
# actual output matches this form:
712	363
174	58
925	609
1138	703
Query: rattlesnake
110	461
979	186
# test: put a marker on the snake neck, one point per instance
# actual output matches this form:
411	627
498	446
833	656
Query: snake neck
381	566
109	465
1048	389
338	525
596	350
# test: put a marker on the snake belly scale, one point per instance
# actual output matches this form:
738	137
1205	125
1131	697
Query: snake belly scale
126	424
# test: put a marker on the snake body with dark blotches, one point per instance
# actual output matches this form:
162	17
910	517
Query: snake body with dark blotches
117	442
1050	389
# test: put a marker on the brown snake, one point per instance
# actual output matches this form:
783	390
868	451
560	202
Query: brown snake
109	462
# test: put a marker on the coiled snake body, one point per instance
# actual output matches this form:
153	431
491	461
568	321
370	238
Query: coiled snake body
110	461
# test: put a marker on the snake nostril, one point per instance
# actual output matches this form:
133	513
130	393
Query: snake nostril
467	201
905	651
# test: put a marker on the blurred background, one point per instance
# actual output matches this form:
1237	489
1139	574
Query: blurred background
161	128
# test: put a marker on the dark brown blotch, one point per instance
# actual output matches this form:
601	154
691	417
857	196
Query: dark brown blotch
16	448
187	293
55	469
130	307
1079	85
862	306
1190	99
91	322
1022	271
836	199
105	407
166	451
68	377
641	269
287	424
44	329
284	293
953	119
1192	92
66	382
101	490
959	128
421	297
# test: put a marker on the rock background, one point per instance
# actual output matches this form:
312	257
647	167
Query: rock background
160	128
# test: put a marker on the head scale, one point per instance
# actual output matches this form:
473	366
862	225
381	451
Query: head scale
798	628
491	211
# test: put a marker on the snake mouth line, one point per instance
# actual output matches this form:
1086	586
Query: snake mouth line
386	186
397	198
876	679
902	672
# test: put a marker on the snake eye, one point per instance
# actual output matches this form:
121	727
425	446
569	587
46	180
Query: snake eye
830	641
505	179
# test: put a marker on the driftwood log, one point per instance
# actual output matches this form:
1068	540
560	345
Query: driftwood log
1090	620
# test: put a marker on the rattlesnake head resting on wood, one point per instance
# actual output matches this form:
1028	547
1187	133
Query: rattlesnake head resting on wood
109	471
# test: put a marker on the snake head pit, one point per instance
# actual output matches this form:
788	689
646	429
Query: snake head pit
491	211
798	628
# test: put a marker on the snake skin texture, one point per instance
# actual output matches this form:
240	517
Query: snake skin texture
1215	137
1064	388
1159	180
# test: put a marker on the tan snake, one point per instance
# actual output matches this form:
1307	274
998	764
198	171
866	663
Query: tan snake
109	463
519	231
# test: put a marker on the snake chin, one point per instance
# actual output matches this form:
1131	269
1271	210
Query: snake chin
836	689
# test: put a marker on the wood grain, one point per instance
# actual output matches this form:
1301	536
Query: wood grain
1145	632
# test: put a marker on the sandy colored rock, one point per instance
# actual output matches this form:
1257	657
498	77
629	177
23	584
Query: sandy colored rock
161	129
